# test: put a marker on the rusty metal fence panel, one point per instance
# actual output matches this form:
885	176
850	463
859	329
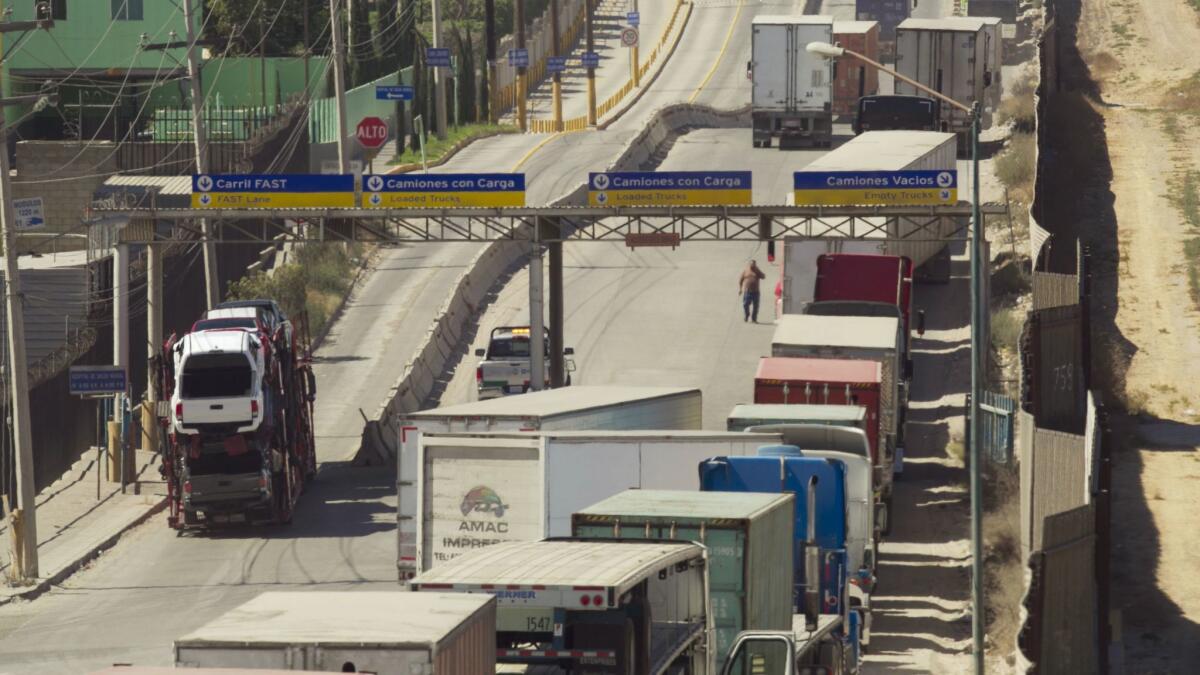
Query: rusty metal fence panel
1062	633
1024	452
1052	364
1051	289
996	422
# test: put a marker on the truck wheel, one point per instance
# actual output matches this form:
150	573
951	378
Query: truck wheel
631	648
885	516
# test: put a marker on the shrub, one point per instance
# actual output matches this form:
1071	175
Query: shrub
1016	165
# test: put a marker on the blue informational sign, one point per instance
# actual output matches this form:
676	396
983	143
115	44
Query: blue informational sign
669	188
518	58
394	92
96	380
634	18
556	64
871	188
437	57
443	190
591	60
265	191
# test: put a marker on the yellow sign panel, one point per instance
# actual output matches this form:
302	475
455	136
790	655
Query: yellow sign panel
441	200
877	197
272	200
443	191
669	197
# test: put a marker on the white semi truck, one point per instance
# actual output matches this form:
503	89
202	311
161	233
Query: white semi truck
792	89
479	489
572	408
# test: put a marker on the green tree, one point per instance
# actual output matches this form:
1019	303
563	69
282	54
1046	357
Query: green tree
278	24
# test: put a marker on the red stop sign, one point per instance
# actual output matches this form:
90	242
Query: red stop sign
372	132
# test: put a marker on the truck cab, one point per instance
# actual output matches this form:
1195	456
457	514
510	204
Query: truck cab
505	367
220	388
801	651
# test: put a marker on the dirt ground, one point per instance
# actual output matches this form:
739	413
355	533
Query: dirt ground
1139	53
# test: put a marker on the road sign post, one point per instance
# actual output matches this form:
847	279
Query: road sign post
96	380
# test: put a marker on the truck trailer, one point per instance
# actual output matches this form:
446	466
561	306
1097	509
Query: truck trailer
748	536
950	55
572	408
476	490
383	632
852	79
239	419
792	89
587	606
889	14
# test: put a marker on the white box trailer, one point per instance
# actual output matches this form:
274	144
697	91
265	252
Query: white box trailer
913	238
993	68
569	409
791	90
476	490
384	632
947	55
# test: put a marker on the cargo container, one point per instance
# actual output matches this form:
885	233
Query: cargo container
947	55
748	536
853	79
912	238
876	339
792	89
571	408
823	382
480	489
889	14
591	606
384	632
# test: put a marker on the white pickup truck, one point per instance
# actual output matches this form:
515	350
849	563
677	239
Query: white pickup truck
505	366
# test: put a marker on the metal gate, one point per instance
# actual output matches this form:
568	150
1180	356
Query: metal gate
996	426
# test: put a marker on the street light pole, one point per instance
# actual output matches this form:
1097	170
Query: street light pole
977	308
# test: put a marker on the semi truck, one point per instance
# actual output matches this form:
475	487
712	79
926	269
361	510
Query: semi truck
505	366
572	408
791	89
478	489
822	582
383	632
239	417
852	79
591	607
868	285
952	56
889	14
749	538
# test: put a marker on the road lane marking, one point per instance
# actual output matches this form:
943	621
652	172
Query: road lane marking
720	56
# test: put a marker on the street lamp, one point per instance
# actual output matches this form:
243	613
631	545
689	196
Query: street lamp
826	50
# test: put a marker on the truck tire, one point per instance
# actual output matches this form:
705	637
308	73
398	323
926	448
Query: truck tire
885	514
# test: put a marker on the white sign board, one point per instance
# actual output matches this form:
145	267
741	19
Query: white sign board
29	213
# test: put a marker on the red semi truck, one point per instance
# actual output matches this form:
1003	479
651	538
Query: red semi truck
881	280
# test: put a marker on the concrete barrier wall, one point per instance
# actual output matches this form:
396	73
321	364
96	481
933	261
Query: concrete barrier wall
432	359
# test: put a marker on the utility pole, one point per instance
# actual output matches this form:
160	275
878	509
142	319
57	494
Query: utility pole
591	71
339	82
537	318
637	71
522	83
154	343
307	52
978	307
489	30
212	284
439	77
556	87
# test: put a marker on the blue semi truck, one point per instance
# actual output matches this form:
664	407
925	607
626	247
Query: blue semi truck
833	610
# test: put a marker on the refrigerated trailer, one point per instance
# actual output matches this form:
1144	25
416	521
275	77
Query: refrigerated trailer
475	490
792	89
571	408
748	536
949	55
383	632
591	606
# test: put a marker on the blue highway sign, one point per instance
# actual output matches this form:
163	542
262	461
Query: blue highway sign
872	188
591	60
437	57
556	64
392	92
265	191
443	190
518	58
96	380
634	18
669	188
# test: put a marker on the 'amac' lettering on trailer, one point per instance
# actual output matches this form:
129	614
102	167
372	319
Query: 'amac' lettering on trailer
483	526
